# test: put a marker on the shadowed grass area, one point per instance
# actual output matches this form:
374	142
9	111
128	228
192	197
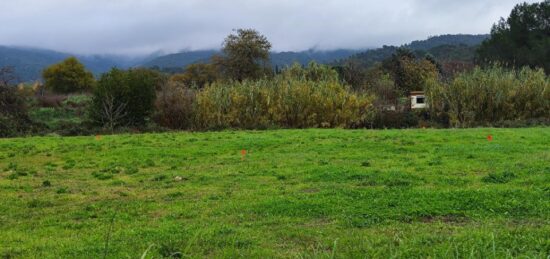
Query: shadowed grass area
298	193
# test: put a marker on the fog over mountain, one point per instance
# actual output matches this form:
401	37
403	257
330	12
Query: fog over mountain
141	27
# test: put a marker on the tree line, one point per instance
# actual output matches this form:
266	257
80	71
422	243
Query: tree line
239	89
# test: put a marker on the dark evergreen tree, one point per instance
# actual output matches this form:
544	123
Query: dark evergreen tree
521	40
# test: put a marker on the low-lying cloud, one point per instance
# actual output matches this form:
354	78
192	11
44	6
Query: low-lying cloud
136	27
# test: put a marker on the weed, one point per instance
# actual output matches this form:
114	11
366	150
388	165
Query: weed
170	249
62	190
503	177
35	203
102	175
159	178
132	170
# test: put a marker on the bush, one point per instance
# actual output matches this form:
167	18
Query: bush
395	120
14	119
68	117
294	99
125	98
175	106
491	96
197	75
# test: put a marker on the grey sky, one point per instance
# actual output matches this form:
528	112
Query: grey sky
145	26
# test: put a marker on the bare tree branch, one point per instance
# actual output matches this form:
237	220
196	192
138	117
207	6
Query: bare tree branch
112	112
7	76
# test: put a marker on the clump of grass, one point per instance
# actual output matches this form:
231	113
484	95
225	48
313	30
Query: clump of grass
46	183
62	190
35	203
108	172
12	176
503	177
16	173
112	169
131	170
69	164
435	161
102	175
149	163
11	166
397	182
118	183
366	164
159	178
50	167
169	249
172	196
281	177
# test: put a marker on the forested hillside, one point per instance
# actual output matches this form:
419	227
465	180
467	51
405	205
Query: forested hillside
29	63
178	61
443	48
459	39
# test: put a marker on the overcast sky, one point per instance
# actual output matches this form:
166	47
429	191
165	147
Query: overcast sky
145	26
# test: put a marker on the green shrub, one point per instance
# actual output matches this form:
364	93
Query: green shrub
69	119
394	119
14	119
491	96
290	100
125	98
175	106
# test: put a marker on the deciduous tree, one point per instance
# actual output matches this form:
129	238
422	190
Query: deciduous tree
197	75
245	55
69	76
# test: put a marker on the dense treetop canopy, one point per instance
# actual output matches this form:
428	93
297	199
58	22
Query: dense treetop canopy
523	39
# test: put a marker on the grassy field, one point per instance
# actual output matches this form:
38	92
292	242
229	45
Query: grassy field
297	193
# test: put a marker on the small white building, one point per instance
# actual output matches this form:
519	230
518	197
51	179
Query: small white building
418	100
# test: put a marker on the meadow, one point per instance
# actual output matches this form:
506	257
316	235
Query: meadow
291	194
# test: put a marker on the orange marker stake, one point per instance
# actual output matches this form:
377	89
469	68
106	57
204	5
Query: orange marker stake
490	138
98	137
243	154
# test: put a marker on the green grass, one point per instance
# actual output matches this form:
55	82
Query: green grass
298	193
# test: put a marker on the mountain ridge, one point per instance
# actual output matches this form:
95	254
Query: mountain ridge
29	62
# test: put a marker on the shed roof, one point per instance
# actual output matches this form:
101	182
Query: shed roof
417	93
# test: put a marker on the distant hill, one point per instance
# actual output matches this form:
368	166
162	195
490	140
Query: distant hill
29	62
460	47
463	53
181	60
283	59
454	40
